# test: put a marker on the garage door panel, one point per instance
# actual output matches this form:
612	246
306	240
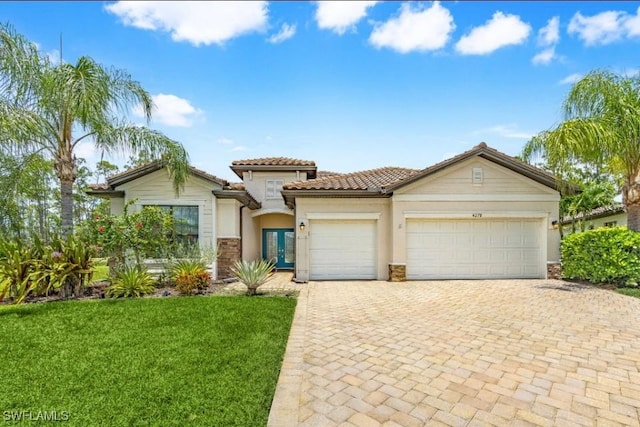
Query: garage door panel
486	248
342	249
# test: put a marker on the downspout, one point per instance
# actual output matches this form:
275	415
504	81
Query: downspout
241	232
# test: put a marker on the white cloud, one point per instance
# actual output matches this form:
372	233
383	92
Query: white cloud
416	28
603	28
545	56
548	38
571	79
340	16
286	32
225	141
505	131
549	35
171	110
500	31
239	148
632	25
199	23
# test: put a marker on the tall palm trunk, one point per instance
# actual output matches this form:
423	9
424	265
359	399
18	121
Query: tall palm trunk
631	200
66	206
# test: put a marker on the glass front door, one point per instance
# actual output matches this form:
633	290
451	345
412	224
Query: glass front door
278	245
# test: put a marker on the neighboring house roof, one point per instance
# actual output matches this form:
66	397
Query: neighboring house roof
274	164
600	212
109	188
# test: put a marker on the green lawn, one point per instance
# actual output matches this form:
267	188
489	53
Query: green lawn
206	361
632	292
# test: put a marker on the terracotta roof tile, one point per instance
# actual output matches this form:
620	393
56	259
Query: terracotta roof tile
364	180
273	161
101	186
324	174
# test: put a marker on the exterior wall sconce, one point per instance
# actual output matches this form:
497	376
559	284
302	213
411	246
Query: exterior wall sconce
302	225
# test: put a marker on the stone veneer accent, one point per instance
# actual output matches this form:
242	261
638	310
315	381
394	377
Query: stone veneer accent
554	270
397	272
229	249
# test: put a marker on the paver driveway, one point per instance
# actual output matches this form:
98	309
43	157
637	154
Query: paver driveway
523	352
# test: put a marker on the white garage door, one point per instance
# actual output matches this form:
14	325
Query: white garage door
475	249
342	249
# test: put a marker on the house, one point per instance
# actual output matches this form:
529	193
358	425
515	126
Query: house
481	214
605	216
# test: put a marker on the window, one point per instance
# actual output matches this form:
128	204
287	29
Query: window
186	223
274	186
611	224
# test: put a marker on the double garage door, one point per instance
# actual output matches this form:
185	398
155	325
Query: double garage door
475	248
435	249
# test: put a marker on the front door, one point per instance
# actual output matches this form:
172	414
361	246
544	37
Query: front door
278	246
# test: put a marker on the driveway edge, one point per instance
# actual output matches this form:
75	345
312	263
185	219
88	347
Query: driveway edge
286	400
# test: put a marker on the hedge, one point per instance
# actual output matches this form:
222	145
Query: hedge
603	255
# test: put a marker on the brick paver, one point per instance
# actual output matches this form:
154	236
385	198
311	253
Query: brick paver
458	353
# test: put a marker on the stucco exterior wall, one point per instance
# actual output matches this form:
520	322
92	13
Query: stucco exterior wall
345	209
453	193
256	184
156	188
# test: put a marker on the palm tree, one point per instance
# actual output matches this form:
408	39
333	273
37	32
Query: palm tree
601	128
54	107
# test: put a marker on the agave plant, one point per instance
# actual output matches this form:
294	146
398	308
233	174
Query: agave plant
252	274
131	281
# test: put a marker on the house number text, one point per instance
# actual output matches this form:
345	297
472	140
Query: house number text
476	215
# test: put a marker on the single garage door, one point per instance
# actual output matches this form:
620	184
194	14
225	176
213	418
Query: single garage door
342	249
475	249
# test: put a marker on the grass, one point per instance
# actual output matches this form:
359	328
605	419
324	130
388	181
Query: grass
202	361
632	292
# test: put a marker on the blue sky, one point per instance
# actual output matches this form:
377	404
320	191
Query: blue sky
350	85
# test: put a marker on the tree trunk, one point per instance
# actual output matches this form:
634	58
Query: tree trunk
66	207
631	201
633	217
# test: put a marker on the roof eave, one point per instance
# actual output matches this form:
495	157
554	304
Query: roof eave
290	195
105	193
242	196
486	154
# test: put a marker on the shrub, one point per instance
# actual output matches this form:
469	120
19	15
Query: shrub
131	281
27	268
603	255
16	270
253	274
189	275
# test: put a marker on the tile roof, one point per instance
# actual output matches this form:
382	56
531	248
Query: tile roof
273	161
138	171
491	154
324	174
616	208
364	180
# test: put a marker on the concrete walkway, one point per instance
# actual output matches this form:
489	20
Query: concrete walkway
460	353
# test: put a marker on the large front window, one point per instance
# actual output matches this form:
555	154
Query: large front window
185	219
